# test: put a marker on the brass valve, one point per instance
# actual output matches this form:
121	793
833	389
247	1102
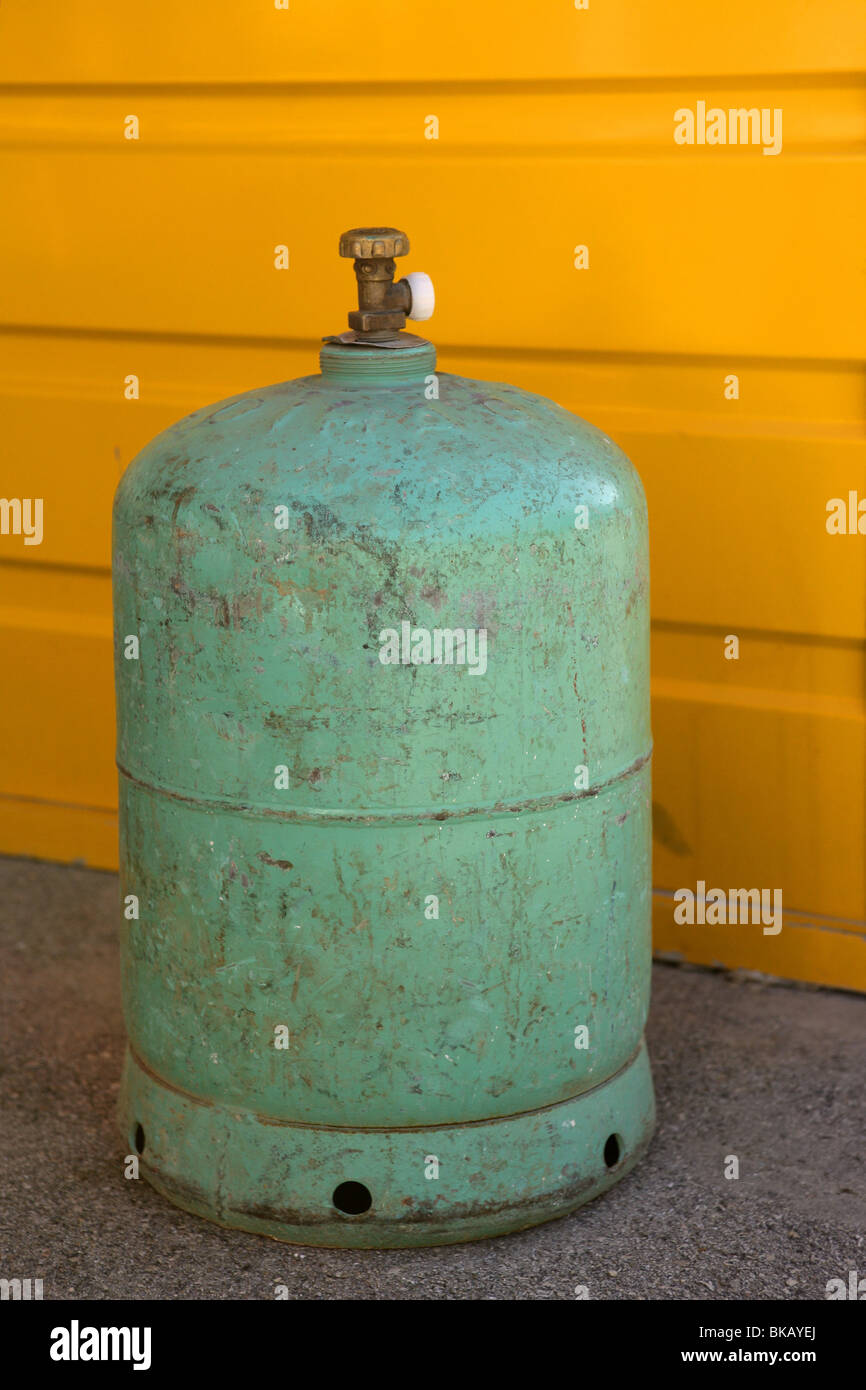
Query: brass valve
383	306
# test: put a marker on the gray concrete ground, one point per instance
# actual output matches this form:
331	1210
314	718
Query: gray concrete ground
774	1075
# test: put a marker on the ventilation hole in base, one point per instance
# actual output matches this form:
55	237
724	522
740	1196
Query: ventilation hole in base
352	1198
139	1139
613	1150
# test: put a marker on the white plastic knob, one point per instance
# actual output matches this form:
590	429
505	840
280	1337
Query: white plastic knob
423	296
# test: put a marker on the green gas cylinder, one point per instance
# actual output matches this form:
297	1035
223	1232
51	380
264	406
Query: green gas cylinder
382	665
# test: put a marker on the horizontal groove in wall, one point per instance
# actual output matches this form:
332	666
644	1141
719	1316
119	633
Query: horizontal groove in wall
449	355
843	79
520	126
794	917
32	619
453	352
107	808
772	701
692	629
628	155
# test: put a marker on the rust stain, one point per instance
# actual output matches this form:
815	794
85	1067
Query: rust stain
288	586
277	863
179	499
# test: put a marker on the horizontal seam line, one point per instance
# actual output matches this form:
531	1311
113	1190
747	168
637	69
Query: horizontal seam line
382	1129
365	814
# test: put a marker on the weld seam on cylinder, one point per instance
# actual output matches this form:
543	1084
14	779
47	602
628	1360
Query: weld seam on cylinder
364	816
273	1121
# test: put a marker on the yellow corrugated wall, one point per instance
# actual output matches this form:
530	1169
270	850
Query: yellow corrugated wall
260	125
